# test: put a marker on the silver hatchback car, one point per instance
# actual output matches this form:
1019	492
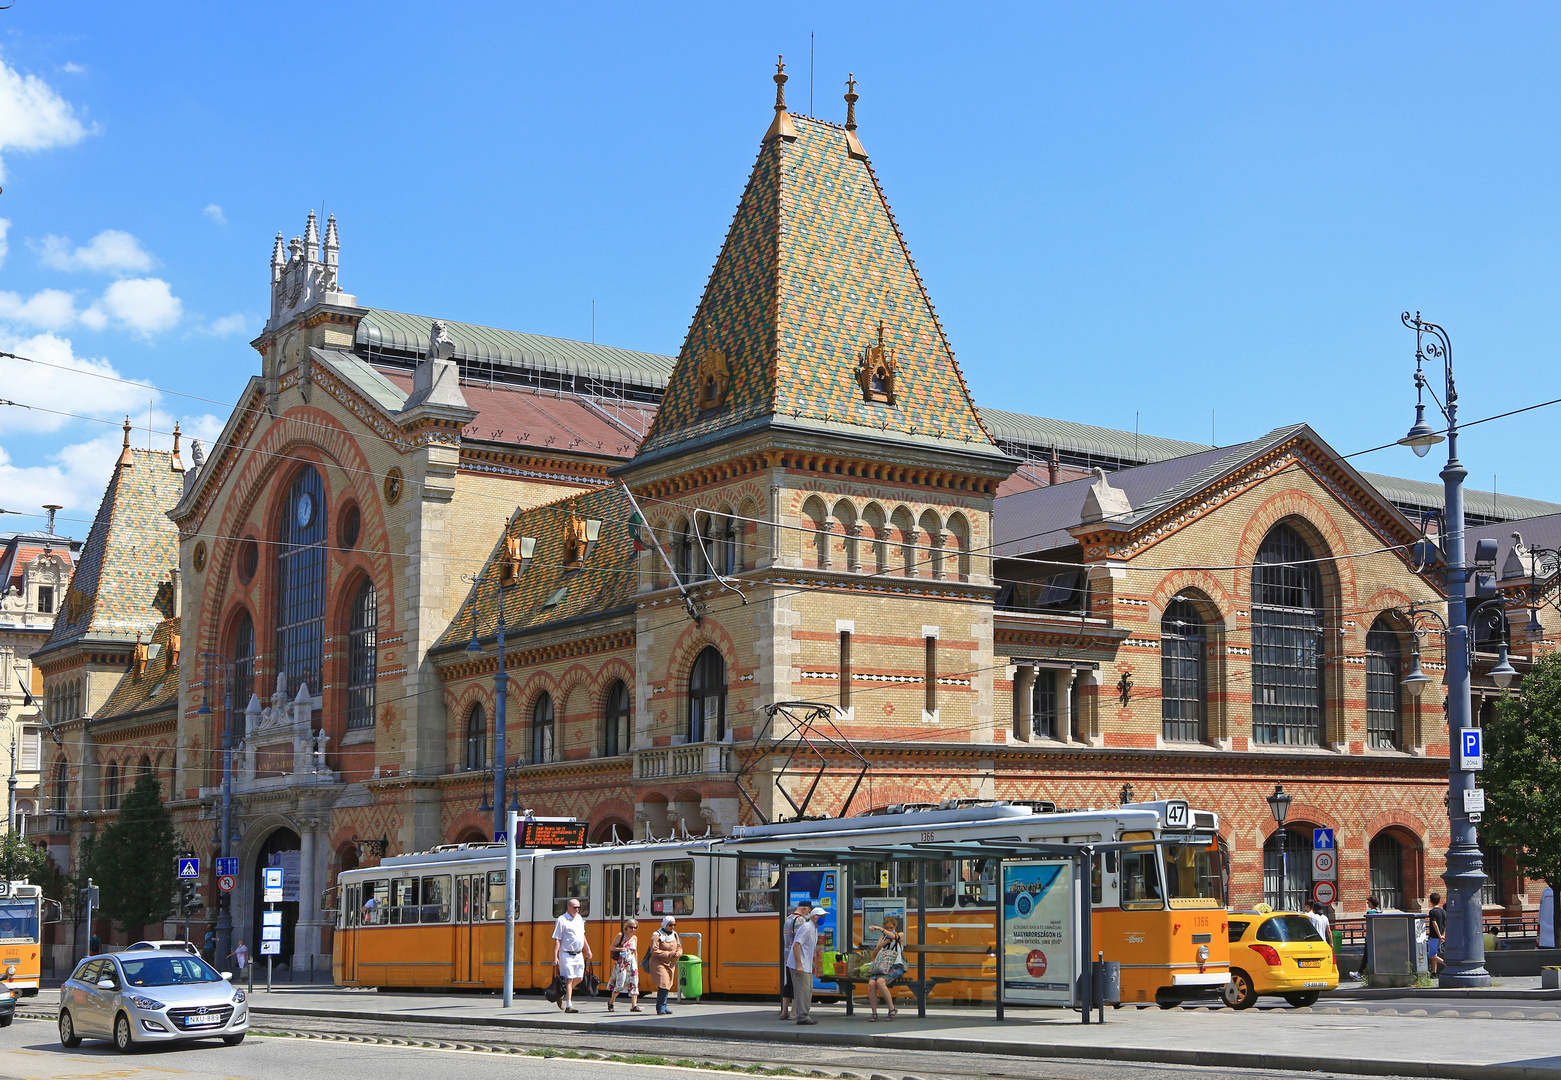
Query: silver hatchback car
148	996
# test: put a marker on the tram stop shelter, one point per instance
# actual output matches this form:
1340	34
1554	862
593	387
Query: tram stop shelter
966	833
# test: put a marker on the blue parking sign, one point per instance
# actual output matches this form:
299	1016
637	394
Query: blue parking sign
189	868
1322	839
1471	750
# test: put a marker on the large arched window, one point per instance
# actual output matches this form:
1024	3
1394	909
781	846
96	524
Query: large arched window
300	618
1183	687
1287	642
243	662
615	720
707	697
542	729
362	657
1387	872
477	738
1287	870
111	788
1382	684
61	786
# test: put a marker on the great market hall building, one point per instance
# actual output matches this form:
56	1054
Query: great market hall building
804	505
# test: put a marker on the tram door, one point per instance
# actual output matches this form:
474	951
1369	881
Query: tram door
470	901
623	892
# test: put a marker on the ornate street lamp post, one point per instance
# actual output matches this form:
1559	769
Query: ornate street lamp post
1279	806
1464	949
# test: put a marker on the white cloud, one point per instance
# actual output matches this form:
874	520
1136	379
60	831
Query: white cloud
47	309
214	212
73	69
62	382
227	325
110	251
33	116
145	305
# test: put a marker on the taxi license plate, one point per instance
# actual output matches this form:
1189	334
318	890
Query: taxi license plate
1308	963
1310	985
201	1021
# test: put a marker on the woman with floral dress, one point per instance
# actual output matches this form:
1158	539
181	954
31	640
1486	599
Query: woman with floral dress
626	966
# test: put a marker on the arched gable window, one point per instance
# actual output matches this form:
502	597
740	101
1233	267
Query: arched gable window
111	788
362	657
615	720
542	729
477	738
1387	872
144	769
243	662
61	785
707	697
300	619
1287	642
1183	685
1383	700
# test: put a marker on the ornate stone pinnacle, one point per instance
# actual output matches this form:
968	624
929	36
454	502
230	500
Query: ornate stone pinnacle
780	83
851	98
124	454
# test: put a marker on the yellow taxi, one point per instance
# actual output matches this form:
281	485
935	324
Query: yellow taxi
1277	952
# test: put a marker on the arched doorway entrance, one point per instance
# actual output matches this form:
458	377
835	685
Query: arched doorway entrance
281	848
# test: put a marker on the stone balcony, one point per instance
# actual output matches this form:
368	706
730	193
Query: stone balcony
696	759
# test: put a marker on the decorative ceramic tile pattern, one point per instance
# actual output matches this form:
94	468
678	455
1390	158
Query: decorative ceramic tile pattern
813	262
155	689
122	572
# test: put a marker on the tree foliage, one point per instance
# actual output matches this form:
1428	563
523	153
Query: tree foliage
134	861
1522	777
20	860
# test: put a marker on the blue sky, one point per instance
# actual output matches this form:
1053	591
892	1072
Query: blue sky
1125	213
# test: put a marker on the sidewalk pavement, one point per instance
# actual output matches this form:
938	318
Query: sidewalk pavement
1338	1039
1502	988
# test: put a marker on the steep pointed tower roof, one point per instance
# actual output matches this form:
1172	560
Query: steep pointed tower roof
814	317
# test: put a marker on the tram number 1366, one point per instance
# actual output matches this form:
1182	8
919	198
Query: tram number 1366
926	836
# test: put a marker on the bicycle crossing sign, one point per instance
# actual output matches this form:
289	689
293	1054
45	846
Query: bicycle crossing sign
189	868
1322	839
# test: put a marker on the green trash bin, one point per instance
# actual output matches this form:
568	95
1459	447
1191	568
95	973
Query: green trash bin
691	977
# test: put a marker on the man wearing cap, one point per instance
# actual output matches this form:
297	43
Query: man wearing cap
800	961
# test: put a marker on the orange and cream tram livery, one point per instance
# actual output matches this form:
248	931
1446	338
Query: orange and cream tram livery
436	919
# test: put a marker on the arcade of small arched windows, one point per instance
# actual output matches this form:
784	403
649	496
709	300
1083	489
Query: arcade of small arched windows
895	542
64	701
535	733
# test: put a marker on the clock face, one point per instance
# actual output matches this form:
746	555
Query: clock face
305	510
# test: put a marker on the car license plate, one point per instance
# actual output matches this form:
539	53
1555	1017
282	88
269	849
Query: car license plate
1310	985
202	1021
1308	963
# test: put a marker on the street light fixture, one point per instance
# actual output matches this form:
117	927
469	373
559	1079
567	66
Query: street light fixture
1279	804
1464	946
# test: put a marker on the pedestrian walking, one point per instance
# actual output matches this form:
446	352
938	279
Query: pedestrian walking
1319	919
209	945
788	934
888	964
570	952
94	945
625	979
1435	931
661	961
801	959
240	957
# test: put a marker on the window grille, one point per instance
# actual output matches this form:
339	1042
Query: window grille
300	622
362	657
476	738
1383	702
1387	872
1287	871
1287	642
615	721
243	664
1492	891
542	729
707	698
1183	686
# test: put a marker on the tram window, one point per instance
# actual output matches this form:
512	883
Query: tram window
940	881
351	898
977	883
672	887
436	899
1097	891
1192	872
572	883
758	885
868	879
496	892
403	901
1141	879
376	902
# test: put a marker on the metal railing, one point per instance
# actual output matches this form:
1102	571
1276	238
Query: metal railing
1507	929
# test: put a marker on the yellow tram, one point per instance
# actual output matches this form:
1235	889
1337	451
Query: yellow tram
436	919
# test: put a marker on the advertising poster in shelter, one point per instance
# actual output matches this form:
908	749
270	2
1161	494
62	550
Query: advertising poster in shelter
1040	912
820	887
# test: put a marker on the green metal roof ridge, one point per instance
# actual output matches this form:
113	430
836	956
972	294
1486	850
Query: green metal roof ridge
1070	435
1485	503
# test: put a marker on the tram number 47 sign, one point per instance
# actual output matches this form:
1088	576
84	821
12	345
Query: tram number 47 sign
1325	866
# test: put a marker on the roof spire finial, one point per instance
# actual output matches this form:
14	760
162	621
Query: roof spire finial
124	454
851	97
782	124
176	464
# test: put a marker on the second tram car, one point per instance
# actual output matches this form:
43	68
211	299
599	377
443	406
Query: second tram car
436	919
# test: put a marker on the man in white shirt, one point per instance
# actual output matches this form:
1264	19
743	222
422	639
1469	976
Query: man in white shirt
800	960
568	946
1320	921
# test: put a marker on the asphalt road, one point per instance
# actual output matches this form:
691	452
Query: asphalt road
29	1050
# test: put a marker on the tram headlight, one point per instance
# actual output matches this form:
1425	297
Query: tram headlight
1203	954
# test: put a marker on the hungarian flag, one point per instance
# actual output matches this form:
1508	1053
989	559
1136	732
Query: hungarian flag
636	530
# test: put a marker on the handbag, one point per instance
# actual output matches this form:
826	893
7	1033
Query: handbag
591	984
555	989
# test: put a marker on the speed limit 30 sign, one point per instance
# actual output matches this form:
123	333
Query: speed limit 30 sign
1325	865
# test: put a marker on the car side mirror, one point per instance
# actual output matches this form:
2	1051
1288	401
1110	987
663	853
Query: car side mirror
106	984
226	975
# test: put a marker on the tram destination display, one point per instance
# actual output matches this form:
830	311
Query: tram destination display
1040	914
553	834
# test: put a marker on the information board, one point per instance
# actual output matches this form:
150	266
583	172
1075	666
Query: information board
270	948
553	834
1040	943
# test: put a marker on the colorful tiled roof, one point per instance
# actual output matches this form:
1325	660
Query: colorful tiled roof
157	687
812	264
121	583
607	583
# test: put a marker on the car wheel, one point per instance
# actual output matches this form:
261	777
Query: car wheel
5	1021
1239	992
68	1037
1304	998
233	1040
123	1041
